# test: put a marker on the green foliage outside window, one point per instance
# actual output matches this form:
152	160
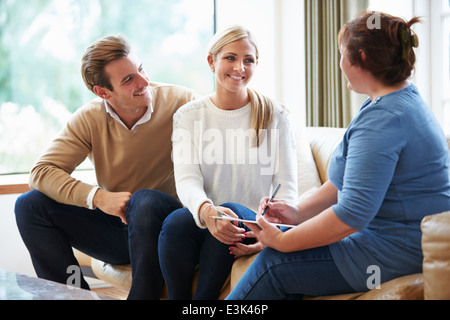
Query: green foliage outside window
41	45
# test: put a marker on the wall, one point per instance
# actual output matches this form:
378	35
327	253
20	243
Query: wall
13	253
278	28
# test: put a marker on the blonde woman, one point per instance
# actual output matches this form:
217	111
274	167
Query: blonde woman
230	149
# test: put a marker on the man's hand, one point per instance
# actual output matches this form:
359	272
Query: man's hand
112	203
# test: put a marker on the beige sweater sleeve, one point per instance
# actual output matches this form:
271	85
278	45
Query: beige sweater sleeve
52	172
124	160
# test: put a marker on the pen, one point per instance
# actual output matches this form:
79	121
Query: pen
272	197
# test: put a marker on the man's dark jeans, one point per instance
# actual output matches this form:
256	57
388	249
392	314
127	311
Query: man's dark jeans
50	230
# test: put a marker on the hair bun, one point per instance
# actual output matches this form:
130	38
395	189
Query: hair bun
408	40
415	40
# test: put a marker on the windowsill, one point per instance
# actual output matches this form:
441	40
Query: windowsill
18	183
14	184
14	188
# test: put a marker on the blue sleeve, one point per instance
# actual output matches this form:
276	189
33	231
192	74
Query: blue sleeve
368	157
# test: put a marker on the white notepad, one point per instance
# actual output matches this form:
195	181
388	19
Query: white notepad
226	217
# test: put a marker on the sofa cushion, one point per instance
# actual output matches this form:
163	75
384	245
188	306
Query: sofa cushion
239	267
323	142
409	287
308	177
404	288
120	276
116	275
436	253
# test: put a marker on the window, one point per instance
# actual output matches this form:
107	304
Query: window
445	59
432	74
278	27
400	8
41	45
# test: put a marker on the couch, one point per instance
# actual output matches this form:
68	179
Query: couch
314	149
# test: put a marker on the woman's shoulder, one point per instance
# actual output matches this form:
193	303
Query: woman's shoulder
403	106
280	110
190	111
192	107
280	114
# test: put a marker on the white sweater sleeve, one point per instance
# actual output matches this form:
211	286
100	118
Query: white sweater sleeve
188	176
286	161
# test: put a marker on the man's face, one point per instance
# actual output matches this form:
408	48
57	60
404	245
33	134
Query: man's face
130	85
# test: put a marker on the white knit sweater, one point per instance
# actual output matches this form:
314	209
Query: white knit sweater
215	161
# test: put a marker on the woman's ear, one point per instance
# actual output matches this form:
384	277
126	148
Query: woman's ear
362	55
101	92
211	62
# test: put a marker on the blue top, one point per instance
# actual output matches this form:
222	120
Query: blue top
391	170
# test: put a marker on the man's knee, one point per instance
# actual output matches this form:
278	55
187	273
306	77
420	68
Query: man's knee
27	204
144	210
178	222
150	207
148	199
144	195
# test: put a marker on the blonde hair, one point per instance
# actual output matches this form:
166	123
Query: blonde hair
262	107
98	55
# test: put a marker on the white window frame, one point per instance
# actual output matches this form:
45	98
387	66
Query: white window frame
278	27
430	75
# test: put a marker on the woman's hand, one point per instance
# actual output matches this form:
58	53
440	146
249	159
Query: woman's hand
268	235
223	230
239	249
321	230
279	211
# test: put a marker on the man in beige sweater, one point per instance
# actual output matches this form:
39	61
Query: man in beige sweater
126	133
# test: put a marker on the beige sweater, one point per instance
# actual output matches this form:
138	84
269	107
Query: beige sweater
124	160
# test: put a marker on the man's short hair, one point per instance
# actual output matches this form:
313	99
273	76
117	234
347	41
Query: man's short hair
98	55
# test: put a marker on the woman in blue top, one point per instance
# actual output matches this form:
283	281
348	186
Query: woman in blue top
362	227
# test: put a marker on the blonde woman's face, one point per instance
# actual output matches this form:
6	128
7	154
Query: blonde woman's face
235	65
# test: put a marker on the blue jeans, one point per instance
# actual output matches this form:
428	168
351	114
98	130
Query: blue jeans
183	246
275	276
50	229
